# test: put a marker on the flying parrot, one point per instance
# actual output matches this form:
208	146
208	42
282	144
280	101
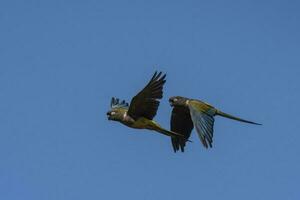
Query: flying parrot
143	107
189	113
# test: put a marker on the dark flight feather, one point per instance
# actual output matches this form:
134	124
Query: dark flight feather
181	123
115	103
145	103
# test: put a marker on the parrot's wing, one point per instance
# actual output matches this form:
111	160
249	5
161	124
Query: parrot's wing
116	103
145	103
181	123
204	124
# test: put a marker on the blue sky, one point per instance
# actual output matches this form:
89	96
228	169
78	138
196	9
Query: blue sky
62	61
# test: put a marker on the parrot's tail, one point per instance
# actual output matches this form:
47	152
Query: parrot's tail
234	118
156	127
172	134
169	133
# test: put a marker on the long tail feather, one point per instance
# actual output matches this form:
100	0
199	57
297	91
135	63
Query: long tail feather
171	133
155	126
234	118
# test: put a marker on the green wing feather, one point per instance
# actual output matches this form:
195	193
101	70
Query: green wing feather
203	119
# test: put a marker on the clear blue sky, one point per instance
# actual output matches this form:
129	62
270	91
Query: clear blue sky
62	61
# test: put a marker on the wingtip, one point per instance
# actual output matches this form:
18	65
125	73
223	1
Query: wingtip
159	73
112	101
154	75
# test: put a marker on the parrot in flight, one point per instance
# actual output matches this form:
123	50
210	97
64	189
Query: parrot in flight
142	109
189	113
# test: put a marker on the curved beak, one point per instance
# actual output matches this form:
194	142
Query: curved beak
108	115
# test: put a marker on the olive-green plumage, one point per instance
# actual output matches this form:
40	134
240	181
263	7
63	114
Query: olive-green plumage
189	113
143	107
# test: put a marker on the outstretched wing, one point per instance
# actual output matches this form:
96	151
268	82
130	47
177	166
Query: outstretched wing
145	103
203	118
116	103
181	123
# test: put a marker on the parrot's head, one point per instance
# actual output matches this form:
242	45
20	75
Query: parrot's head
178	101
118	109
116	114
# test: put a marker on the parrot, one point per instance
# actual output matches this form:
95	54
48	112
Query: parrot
142	109
189	113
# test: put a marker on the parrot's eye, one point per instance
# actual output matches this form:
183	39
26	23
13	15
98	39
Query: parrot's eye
112	113
175	100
